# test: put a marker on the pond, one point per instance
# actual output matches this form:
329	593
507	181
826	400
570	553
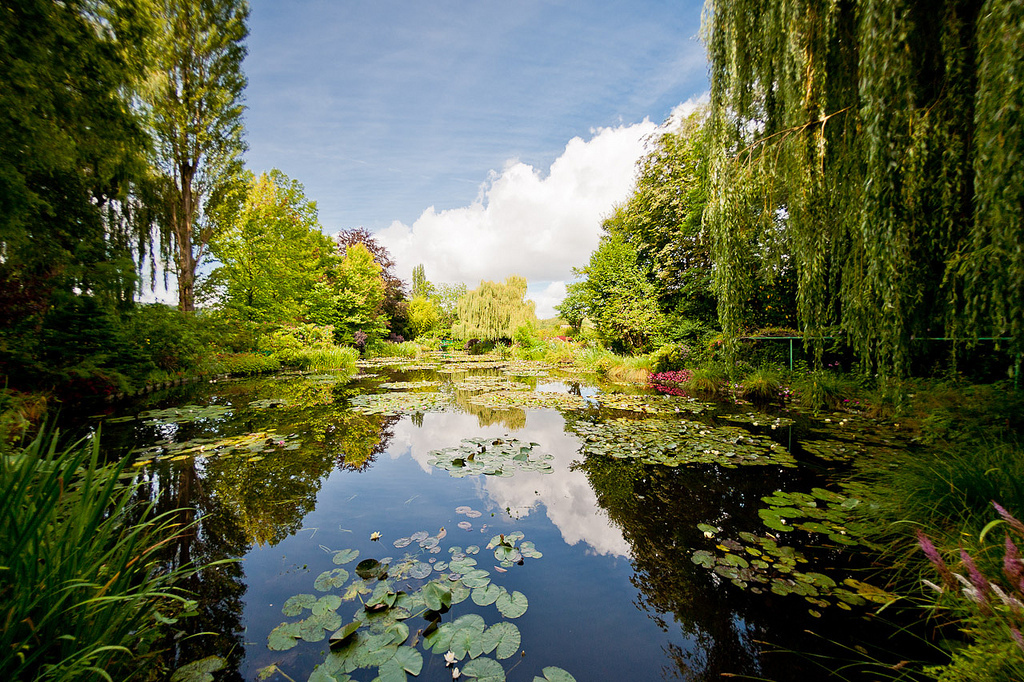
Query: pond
533	522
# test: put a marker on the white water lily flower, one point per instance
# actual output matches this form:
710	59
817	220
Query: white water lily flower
449	658
455	673
375	535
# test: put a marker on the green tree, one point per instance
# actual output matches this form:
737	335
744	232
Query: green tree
876	148
446	297
663	220
494	310
424	316
394	306
420	285
270	249
72	155
617	295
196	102
352	298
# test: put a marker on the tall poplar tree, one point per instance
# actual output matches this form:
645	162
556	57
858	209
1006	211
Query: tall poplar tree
196	100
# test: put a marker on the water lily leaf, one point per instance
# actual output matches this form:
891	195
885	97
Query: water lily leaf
460	592
283	637
345	632
487	595
476	578
358	587
467	642
436	596
369	568
703	558
344	556
472	549
503	639
293	606
329	579
484	670
328	602
405	660
512	605
554	674
199	671
420	570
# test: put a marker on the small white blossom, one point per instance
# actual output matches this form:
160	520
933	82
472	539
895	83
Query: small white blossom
449	658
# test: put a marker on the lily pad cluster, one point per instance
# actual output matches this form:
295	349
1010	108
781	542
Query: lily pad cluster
454	367
507	553
821	511
486	383
251	445
269	403
491	457
393	594
408	385
761	564
652	404
530	399
178	415
758	419
677	442
402	402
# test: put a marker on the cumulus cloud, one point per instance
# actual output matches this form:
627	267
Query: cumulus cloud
547	298
523	221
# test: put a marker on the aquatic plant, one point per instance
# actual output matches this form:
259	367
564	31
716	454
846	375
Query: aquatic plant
80	585
709	380
490	456
987	604
762	385
393	593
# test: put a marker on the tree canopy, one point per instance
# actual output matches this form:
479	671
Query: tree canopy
494	310
270	249
876	147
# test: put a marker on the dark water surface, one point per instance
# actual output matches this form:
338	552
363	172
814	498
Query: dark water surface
616	594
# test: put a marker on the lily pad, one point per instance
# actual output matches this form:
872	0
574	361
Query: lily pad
370	568
199	671
331	579
554	674
484	670
294	605
512	605
503	639
345	556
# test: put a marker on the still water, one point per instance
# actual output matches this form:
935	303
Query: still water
596	530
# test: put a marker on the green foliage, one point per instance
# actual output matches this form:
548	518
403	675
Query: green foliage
389	349
195	95
873	157
270	249
709	379
80	585
246	364
617	294
424	315
494	310
420	286
670	357
393	308
663	220
352	301
308	346
823	389
763	385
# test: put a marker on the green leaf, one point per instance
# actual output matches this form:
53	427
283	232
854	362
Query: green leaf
283	637
199	671
369	568
502	638
330	579
484	670
344	556
436	596
467	641
294	605
328	602
512	605
345	632
553	674
487	595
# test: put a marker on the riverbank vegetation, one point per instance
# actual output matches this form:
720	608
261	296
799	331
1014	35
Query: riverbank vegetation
838	229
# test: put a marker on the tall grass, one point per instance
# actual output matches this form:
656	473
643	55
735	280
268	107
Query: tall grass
389	349
81	592
328	358
709	380
763	385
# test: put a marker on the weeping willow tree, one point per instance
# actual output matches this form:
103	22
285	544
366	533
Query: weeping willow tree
875	146
494	310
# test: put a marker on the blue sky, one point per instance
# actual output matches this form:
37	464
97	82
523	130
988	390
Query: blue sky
436	125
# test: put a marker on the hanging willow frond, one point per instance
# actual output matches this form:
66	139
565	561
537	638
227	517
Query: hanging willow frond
848	137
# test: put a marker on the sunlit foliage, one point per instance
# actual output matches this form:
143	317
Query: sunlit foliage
494	310
876	147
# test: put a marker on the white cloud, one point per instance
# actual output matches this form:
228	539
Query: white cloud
524	222
547	299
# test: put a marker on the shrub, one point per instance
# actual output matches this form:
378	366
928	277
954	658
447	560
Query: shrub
762	385
634	369
81	591
709	380
671	357
824	390
245	364
388	349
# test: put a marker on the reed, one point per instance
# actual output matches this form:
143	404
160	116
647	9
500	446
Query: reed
82	593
